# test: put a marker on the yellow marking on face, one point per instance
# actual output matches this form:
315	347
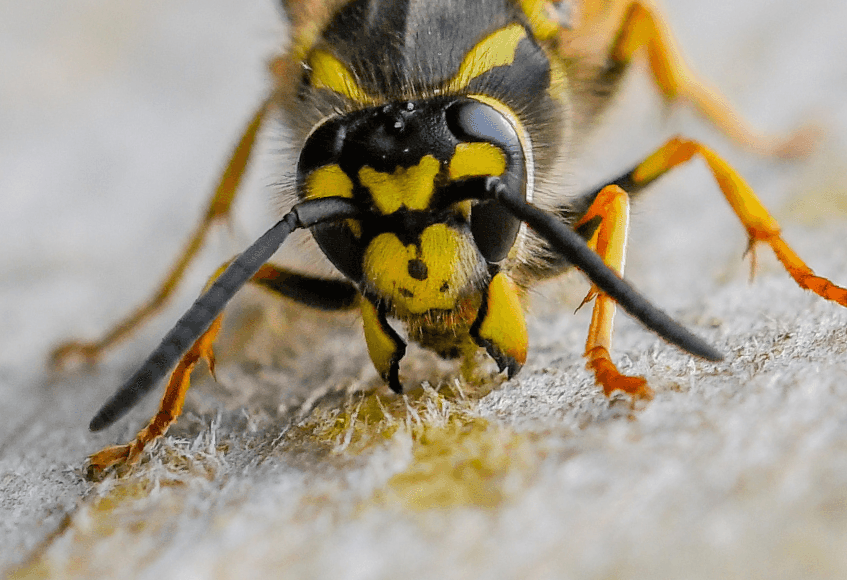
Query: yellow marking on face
331	181
476	159
381	346
330	73
496	49
504	324
448	259
328	181
410	187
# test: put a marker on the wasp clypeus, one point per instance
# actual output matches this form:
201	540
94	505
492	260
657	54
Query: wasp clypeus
431	139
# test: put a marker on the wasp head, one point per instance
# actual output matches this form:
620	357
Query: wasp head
418	170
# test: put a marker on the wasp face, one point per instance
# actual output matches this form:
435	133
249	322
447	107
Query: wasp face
417	169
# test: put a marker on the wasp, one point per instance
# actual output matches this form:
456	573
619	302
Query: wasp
432	137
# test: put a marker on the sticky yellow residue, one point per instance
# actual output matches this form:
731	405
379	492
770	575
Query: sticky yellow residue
330	73
465	462
362	423
496	49
118	516
105	513
370	419
410	187
476	159
458	458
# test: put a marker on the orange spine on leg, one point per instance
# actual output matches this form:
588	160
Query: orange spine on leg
760	225
170	407
609	241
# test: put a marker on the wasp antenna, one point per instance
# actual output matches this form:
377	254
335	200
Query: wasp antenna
206	308
574	248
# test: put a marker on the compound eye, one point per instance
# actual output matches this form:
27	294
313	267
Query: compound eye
323	147
474	121
319	175
494	228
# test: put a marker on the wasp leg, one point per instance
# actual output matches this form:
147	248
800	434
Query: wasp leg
217	210
313	292
611	206
320	293
760	225
170	408
500	326
385	346
644	28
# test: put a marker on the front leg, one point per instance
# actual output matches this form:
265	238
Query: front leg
611	207
313	292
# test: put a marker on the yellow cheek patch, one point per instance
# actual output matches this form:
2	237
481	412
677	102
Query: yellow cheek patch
329	73
476	159
331	181
328	181
421	279
496	49
410	187
504	326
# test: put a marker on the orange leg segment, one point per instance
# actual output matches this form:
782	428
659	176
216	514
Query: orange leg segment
170	408
760	225
609	241
642	27
218	209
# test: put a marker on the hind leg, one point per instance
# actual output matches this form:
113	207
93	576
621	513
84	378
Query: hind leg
643	28
217	210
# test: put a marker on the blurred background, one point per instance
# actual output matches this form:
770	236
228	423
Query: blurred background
116	119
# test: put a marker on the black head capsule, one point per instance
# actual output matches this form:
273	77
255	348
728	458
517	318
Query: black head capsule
397	135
